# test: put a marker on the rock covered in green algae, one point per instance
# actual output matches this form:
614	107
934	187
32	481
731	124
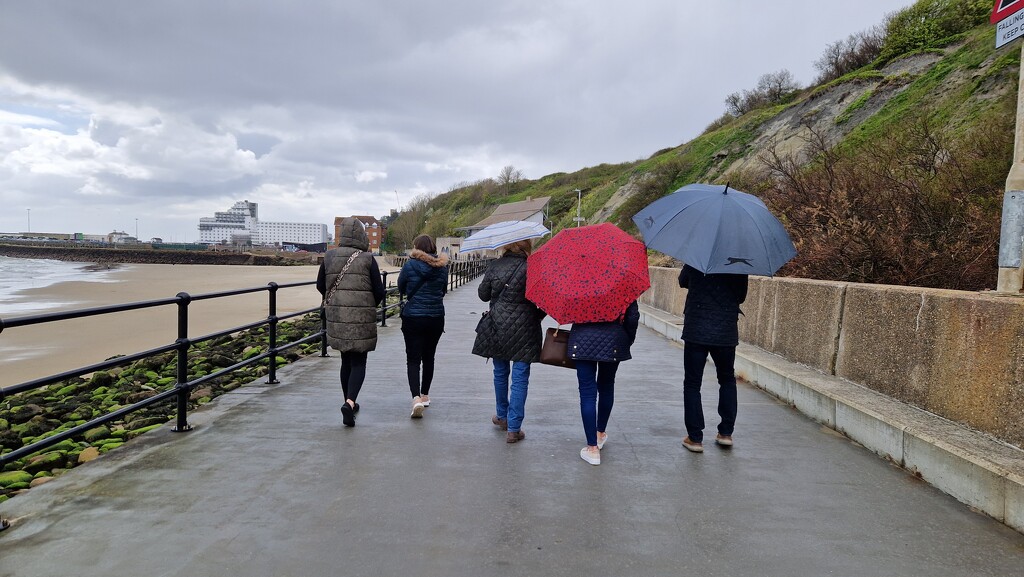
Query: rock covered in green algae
13	477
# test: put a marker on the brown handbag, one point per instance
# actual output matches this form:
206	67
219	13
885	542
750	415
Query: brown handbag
555	351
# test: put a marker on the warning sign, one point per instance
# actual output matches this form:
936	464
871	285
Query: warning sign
1004	8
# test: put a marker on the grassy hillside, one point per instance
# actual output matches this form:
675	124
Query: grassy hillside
891	173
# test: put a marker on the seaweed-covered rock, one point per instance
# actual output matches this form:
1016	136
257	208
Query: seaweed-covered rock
24	413
45	462
143	423
222	361
101	379
200	393
139	396
101	432
12	477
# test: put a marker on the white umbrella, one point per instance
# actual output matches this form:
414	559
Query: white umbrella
502	233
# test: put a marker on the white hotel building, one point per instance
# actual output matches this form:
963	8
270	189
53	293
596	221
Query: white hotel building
241	225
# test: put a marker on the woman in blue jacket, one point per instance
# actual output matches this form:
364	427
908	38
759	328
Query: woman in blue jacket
424	282
597	349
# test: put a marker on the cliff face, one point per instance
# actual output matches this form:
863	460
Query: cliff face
146	256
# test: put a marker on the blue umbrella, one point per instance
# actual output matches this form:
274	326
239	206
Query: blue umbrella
716	230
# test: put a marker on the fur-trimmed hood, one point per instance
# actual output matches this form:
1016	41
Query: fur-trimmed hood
434	261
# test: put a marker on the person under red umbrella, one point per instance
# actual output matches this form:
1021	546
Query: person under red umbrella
597	349
592	276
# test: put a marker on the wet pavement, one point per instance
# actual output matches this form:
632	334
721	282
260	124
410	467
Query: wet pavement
271	484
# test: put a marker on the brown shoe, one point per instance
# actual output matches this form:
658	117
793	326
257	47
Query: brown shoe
500	423
693	446
514	436
724	441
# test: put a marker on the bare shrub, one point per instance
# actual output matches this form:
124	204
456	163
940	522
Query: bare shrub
917	207
772	88
845	56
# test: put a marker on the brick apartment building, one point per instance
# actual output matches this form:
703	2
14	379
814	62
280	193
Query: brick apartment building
375	231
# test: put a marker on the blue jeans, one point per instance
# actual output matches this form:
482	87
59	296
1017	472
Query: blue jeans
597	395
694	357
506	406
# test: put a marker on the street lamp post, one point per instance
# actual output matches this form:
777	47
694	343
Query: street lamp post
136	229
28	213
579	202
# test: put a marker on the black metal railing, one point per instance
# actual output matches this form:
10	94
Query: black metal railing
459	274
182	387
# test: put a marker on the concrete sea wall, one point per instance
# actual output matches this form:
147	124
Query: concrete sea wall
957	354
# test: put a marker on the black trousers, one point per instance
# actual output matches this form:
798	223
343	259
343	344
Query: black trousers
421	337
353	372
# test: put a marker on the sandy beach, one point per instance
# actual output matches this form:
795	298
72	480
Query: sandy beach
31	352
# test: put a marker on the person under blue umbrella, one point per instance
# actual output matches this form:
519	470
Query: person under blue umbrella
710	327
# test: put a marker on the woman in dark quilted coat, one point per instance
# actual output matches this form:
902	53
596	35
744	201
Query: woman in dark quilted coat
515	339
597	349
710	319
424	282
351	281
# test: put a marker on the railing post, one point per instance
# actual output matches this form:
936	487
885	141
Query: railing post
272	346
181	425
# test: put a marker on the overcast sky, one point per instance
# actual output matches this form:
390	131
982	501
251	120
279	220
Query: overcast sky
118	114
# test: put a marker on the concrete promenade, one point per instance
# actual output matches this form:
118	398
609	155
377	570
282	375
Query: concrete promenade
271	484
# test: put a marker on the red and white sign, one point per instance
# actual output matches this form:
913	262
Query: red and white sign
1011	27
1004	8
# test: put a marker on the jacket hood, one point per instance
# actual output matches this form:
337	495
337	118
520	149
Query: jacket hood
434	261
352	233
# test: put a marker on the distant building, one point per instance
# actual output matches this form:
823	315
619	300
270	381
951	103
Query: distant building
449	245
375	231
531	210
119	237
241	225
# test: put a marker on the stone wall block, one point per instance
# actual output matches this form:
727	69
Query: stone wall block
806	320
975	361
882	336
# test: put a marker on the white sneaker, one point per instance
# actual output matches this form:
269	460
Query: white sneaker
601	441
425	400
589	457
417	408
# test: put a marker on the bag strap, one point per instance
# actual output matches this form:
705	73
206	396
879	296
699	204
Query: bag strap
508	279
337	280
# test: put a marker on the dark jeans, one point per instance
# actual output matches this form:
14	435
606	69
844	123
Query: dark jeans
353	371
694	358
597	395
421	337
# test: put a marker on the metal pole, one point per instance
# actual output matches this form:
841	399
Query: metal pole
579	202
1011	233
272	358
29	216
182	367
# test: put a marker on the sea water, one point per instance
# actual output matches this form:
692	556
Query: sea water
20	274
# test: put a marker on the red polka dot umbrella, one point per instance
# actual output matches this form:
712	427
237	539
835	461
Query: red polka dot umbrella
587	274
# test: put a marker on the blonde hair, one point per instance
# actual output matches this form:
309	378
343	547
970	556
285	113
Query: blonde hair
519	246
